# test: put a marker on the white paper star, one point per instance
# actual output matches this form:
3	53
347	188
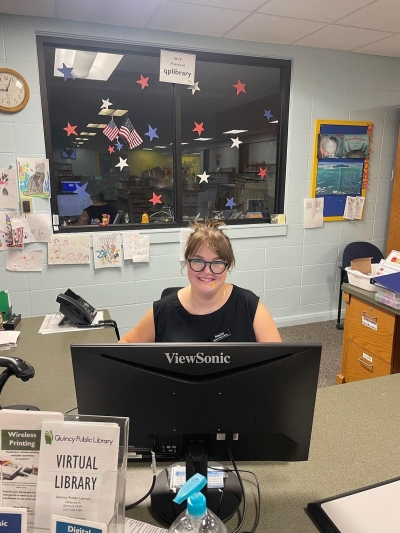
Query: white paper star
195	87
122	163
236	142
203	177
106	103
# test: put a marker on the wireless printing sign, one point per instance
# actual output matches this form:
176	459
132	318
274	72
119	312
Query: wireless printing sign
19	456
77	472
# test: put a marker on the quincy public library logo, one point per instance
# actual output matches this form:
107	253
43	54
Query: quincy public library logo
48	437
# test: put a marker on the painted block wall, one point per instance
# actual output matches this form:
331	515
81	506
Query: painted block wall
293	270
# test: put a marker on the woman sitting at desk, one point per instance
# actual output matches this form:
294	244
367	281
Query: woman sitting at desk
209	309
93	214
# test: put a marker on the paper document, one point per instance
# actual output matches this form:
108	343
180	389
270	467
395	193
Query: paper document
50	324
8	339
141	249
390	265
358	210
135	526
19	455
349	208
313	213
78	467
215	478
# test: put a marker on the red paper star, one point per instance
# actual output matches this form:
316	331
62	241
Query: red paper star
199	128
144	82
240	87
156	199
111	149
70	129
262	173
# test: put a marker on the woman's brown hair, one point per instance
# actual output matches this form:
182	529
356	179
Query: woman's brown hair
208	233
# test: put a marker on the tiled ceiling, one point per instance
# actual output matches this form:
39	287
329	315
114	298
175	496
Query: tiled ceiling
363	26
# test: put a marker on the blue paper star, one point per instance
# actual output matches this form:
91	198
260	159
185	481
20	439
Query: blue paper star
268	114
81	191
67	72
152	133
230	203
119	146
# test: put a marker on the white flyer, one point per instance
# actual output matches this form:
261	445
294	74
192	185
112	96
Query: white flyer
141	248
349	208
358	210
19	455
313	213
136	526
77	472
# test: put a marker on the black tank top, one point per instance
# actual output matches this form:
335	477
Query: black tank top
233	322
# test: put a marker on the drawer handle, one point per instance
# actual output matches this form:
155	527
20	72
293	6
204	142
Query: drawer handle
364	363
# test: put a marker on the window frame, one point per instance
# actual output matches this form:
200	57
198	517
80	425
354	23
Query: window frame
284	66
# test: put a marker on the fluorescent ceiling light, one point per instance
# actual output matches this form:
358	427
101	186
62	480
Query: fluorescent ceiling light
92	125
85	139
148	149
195	153
81	142
120	112
78	138
106	112
90	134
234	131
184	143
203	139
86	65
274	121
160	147
84	133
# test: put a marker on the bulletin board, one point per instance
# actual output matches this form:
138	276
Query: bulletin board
340	164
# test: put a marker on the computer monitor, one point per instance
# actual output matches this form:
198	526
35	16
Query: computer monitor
258	396
69	186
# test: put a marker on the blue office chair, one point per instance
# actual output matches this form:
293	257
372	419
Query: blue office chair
355	250
170	290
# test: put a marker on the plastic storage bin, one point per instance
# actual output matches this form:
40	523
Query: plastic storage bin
388	298
362	280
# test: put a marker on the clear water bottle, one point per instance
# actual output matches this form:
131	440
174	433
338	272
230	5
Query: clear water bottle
197	518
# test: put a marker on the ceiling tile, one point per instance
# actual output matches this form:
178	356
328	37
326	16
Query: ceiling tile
195	19
120	13
249	5
321	10
341	38
386	47
382	15
38	8
270	29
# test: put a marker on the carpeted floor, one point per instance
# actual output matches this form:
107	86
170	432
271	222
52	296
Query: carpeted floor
331	340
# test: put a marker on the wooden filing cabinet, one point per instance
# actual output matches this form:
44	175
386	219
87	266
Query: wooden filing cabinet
371	341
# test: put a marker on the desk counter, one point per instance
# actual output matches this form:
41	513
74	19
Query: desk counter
355	442
52	388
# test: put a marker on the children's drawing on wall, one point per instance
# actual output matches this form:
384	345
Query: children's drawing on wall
330	146
17	232
69	250
107	250
5	228
8	188
141	249
25	260
34	177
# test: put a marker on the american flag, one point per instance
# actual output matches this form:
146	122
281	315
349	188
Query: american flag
129	134
111	130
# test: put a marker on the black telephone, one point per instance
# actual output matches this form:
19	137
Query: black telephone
75	309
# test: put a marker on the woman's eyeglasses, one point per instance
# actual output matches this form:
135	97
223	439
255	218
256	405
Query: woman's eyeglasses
216	267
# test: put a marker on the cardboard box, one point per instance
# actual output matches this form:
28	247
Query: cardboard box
363	265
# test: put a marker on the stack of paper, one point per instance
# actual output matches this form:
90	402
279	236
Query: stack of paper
51	324
8	339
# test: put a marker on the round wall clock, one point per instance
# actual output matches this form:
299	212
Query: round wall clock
14	91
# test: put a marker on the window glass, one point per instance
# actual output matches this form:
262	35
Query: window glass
111	137
114	133
229	138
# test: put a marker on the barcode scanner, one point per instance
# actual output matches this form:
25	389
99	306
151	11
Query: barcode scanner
15	366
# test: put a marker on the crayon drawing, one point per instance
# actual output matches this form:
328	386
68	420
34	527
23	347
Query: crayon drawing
107	250
5	228
34	177
8	189
25	261
69	250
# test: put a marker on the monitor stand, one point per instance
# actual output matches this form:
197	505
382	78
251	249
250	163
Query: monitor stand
222	502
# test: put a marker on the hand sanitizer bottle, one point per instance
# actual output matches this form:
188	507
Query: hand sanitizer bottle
197	518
